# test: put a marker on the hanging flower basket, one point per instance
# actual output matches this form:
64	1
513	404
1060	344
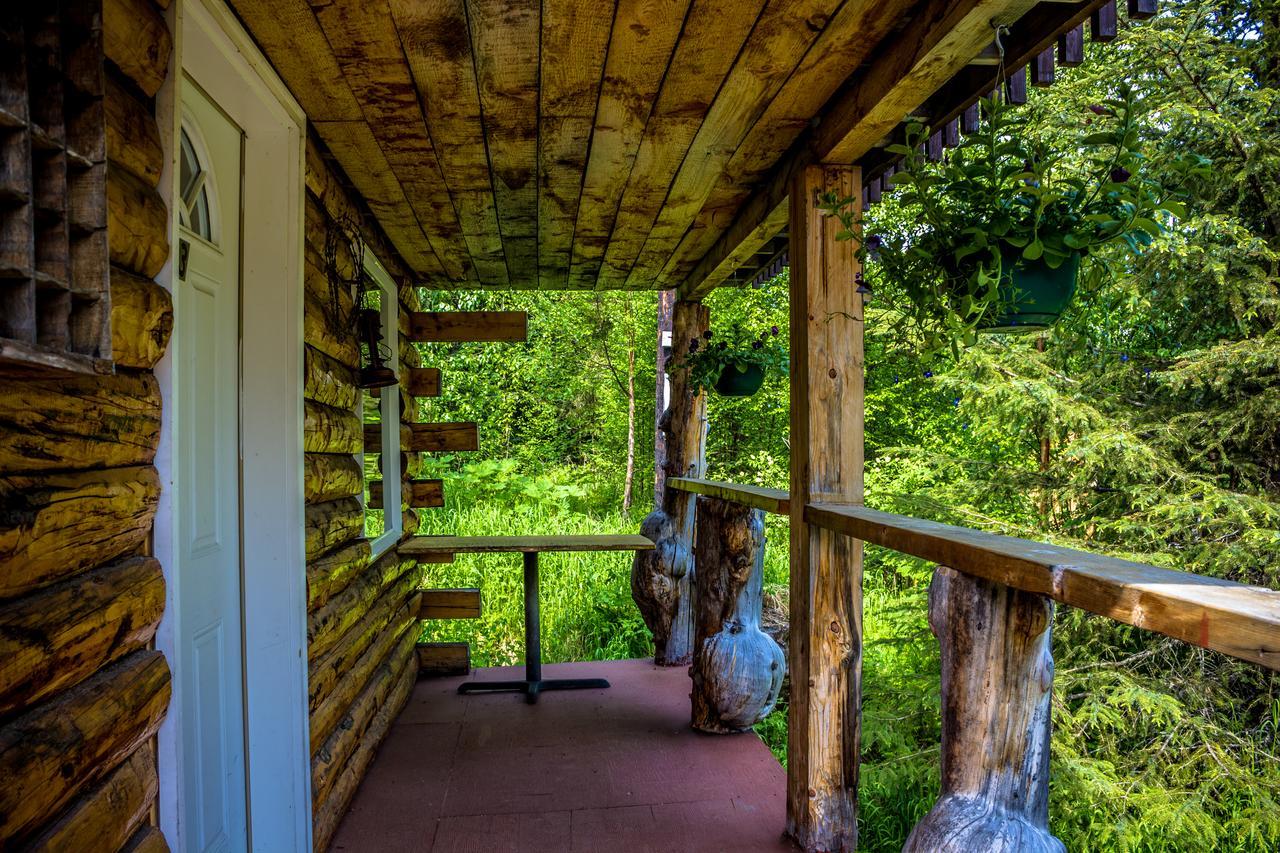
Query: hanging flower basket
1034	295
739	380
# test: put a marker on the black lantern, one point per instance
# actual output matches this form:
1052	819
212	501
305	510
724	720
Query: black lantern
343	247
375	373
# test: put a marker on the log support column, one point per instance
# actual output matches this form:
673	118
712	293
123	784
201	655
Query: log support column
997	674
662	579
737	668
825	654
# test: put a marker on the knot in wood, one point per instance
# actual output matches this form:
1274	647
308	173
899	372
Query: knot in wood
832	373
835	627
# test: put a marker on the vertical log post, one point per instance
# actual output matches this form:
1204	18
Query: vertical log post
826	568
997	672
662	579
737	668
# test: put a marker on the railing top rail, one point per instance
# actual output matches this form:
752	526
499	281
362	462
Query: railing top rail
1232	618
770	500
1235	619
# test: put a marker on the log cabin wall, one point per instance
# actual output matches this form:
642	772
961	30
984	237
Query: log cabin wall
362	615
82	690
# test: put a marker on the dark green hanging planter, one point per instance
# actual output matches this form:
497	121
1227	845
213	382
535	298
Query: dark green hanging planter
740	380
1034	296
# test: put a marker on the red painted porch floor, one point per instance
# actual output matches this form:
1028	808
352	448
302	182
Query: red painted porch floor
615	770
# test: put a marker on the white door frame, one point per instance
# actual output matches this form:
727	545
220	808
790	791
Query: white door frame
210	44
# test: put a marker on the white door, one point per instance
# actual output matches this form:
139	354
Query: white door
209	671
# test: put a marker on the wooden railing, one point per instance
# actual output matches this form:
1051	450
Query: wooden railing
991	608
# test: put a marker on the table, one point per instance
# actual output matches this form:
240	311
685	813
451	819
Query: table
530	547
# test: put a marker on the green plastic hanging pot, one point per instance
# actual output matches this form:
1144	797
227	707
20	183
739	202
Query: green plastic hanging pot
1034	296
740	380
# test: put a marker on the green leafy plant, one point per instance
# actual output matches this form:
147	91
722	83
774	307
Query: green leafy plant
709	356
1003	200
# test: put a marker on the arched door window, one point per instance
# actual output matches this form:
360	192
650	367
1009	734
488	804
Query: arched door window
193	202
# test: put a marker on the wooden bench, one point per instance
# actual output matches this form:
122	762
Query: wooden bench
530	547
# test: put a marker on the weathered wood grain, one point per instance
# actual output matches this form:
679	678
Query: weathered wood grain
737	669
327	380
332	523
427	438
384	617
83	422
662	581
422	381
53	752
329	574
327	624
60	635
997	676
137	224
57	525
825	657
441	659
774	501
421	545
133	135
450	604
141	320
327	477
463	326
106	817
136	38
416	494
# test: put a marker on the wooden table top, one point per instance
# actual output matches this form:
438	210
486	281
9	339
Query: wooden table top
522	544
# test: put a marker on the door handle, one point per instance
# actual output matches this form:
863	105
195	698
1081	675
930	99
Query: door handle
184	251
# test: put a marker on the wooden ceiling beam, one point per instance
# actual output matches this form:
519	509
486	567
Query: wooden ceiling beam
940	40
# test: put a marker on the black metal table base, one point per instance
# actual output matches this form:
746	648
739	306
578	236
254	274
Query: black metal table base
533	683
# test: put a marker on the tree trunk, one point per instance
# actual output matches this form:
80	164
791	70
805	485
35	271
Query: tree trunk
997	673
61	635
137	224
662	579
327	477
107	816
77	423
666	302
629	479
58	525
737	668
141	320
53	752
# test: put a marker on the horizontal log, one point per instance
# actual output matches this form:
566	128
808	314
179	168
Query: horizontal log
331	524
329	381
136	38
423	381
57	525
328	715
388	614
137	224
330	574
133	135
327	624
141	320
409	522
318	332
450	604
148	839
106	817
328	476
430	559
1232	618
418	494
60	635
332	756
427	438
58	749
467	326
409	355
79	423
775	501
329	430
438	659
328	814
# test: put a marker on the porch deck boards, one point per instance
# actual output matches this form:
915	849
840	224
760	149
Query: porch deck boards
594	770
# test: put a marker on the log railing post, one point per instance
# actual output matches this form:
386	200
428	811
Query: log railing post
997	672
662	579
825	655
737	668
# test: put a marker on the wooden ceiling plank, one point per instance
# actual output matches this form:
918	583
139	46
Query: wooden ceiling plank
438	49
781	38
575	37
703	57
353	142
290	36
910	65
640	47
367	46
505	38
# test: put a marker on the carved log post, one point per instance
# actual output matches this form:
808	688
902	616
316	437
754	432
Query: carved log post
737	668
662	579
997	671
826	568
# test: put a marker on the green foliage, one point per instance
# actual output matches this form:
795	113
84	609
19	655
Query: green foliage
714	353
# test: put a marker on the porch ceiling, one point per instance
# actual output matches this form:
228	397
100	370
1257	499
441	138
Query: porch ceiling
580	144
